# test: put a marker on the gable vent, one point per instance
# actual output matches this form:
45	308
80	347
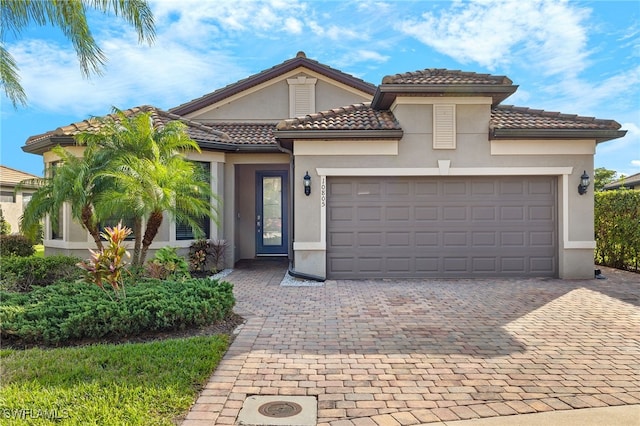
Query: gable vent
302	96
444	126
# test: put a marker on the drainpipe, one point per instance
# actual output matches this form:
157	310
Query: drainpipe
291	271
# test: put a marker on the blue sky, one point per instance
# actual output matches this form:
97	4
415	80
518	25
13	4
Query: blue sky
576	57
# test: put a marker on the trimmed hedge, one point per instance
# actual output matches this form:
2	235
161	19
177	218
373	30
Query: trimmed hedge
67	311
22	273
617	229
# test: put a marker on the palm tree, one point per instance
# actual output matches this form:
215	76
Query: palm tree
74	180
148	175
70	17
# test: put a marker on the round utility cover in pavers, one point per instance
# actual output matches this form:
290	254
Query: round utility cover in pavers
280	410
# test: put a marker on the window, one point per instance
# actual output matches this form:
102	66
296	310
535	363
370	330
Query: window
7	197
56	219
444	126
26	198
56	224
183	230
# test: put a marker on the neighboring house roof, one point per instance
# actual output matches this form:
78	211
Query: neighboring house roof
12	177
442	82
510	122
630	182
300	60
358	120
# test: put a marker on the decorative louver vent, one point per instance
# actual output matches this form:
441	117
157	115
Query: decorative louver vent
444	126
302	96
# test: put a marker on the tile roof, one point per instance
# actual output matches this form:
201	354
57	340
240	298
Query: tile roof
197	131
511	117
353	117
10	176
300	60
247	133
444	76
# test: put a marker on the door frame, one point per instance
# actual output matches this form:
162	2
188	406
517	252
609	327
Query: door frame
261	249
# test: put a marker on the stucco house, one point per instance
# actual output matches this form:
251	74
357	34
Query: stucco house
428	174
13	202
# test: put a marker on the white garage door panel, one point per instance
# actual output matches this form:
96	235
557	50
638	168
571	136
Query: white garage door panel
441	227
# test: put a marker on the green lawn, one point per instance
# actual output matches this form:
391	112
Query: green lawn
39	250
133	384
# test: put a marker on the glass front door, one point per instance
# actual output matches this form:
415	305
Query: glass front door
271	213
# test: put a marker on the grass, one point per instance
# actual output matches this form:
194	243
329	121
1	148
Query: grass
151	383
39	250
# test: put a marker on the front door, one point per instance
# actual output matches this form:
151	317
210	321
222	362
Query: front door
271	213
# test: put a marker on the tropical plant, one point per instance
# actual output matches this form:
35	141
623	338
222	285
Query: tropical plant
203	251
73	180
149	175
168	263
108	264
70	17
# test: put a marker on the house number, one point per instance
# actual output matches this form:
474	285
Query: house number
323	191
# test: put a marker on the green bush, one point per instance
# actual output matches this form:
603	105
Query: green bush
68	311
15	245
22	273
167	263
617	228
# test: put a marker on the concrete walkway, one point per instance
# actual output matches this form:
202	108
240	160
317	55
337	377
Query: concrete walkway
405	352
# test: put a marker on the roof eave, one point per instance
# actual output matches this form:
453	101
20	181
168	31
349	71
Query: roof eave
223	147
337	134
600	135
44	145
387	93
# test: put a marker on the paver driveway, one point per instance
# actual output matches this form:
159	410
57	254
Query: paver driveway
402	352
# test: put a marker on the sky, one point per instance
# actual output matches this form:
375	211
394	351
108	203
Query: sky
576	57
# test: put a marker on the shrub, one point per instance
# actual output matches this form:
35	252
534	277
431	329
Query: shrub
22	273
15	245
202	252
71	311
5	227
167	263
617	228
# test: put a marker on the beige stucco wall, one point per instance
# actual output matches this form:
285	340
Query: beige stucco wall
269	101
472	156
13	211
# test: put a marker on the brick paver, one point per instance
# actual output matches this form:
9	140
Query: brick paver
402	352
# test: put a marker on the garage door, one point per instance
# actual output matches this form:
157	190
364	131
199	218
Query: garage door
441	227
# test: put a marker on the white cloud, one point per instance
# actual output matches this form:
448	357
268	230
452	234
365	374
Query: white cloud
545	35
293	25
134	75
635	163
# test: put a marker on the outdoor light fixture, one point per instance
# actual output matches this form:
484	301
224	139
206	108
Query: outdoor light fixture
307	184
584	183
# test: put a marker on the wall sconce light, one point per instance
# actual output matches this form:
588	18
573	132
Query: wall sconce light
584	183
307	184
